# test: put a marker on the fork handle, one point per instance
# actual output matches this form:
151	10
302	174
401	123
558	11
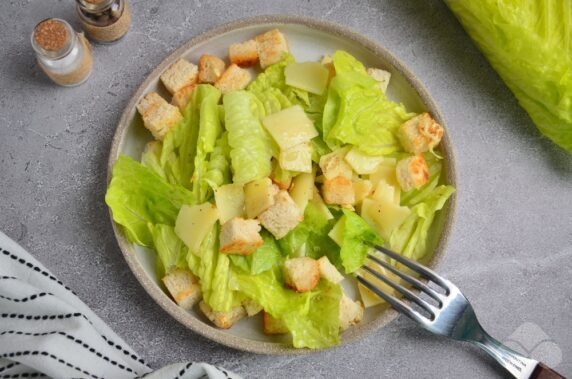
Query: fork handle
544	372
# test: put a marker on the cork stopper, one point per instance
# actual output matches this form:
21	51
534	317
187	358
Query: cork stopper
51	35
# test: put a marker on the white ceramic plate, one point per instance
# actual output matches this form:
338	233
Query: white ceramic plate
309	40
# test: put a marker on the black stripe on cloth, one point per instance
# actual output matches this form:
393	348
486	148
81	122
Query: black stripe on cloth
46	354
223	371
183	370
35	268
21	316
4	277
27	298
73	339
124	351
24	375
9	366
51	277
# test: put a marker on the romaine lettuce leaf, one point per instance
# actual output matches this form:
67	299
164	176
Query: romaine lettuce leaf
138	196
214	272
357	239
171	251
410	238
218	168
209	130
264	258
311	235
358	113
529	43
251	146
311	317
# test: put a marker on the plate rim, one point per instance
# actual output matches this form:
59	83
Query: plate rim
220	335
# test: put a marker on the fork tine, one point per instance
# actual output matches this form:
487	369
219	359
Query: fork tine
394	302
432	275
407	293
416	283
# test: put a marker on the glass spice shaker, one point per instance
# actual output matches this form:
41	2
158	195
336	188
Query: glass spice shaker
104	21
64	55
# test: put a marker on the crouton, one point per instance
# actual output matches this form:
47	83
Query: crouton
180	74
412	172
328	271
271	46
182	97
223	320
301	274
239	236
183	287
210	68
334	164
280	177
251	307
273	325
351	312
282	216
243	54
380	76
233	79
149	103
420	134
158	115
338	190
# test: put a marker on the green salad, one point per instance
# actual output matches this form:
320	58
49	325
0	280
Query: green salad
260	194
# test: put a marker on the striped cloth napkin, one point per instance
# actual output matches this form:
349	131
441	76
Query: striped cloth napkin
47	331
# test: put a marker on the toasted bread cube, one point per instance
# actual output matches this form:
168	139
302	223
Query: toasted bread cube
273	325
351	312
328	271
420	134
283	179
381	76
243	54
338	190
241	237
282	216
158	115
180	74
233	79
301	274
210	68
334	164
223	320
149	103
271	46
251	307
183	287
182	97
412	172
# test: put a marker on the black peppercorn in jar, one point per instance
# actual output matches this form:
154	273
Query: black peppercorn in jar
104	21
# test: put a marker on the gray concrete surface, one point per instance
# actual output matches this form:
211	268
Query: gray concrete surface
511	249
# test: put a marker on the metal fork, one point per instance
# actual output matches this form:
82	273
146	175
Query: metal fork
451	315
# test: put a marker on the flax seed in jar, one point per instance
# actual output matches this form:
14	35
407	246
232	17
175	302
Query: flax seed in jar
64	55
